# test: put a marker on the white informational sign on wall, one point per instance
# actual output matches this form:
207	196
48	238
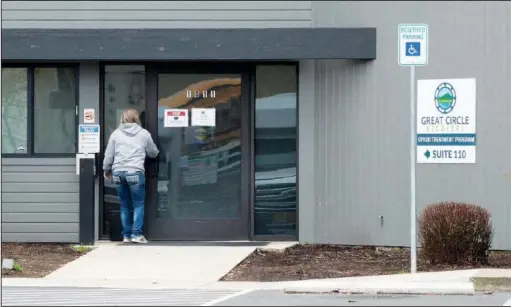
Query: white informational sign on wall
204	117
88	138
175	118
446	121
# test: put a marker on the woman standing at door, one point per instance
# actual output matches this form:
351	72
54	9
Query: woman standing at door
124	159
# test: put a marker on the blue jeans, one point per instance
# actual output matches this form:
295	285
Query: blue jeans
131	183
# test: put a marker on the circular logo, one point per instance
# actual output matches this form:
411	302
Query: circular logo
201	134
445	98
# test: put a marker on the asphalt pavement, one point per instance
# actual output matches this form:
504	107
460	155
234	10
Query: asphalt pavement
279	298
74	296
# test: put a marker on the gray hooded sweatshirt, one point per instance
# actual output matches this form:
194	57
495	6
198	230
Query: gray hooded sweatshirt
127	149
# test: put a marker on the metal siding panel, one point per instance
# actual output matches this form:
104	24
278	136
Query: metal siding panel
46	187
39	228
306	147
320	188
39	169
145	14
155	5
336	215
38	193
39	197
329	133
151	24
40	208
374	136
39	217
39	177
181	15
38	161
40	237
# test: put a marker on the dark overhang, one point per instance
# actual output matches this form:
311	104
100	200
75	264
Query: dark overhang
189	44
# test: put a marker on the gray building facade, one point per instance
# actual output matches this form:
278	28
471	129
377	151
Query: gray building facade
318	149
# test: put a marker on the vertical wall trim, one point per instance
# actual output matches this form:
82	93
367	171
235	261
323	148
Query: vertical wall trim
306	192
89	98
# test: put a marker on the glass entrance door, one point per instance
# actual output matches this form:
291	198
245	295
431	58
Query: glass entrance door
195	186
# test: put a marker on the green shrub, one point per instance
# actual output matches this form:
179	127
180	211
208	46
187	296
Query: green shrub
455	233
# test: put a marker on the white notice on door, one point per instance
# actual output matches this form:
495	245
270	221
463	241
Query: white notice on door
175	118
204	117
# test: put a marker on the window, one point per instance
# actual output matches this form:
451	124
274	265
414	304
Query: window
275	150
39	119
14	110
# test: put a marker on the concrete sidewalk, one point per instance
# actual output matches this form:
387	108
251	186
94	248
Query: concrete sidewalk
181	262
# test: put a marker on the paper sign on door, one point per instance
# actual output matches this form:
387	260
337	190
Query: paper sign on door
89	116
204	117
175	118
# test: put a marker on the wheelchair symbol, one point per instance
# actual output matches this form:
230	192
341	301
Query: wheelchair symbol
413	49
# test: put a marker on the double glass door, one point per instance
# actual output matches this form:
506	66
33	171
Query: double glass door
195	189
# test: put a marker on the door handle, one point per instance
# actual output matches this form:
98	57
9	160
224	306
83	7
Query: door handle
151	166
157	159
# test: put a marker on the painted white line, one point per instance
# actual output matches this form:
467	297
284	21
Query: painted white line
508	303
227	297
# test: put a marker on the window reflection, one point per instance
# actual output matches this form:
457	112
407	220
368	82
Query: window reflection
124	89
275	150
54	110
14	110
206	185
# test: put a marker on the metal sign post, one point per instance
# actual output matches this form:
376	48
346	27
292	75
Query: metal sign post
0	125
413	51
413	206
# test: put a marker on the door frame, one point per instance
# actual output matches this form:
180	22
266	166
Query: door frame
248	68
243	224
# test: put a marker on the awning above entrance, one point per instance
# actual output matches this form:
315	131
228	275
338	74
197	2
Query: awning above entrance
189	44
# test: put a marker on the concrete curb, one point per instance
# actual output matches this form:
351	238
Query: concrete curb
359	287
492	280
492	284
394	288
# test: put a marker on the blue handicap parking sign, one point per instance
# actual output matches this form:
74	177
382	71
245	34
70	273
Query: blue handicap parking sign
413	48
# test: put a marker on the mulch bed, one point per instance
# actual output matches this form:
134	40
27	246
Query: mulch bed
37	260
332	261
